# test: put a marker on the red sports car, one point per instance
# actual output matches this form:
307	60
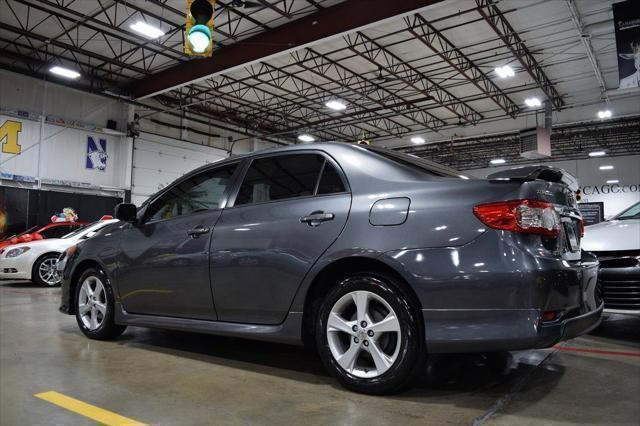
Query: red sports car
51	230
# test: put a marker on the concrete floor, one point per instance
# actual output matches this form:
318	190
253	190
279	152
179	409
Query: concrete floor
173	378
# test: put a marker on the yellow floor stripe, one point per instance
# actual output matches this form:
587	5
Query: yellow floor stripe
101	416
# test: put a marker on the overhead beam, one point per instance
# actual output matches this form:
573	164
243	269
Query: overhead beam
496	20
586	41
339	19
425	32
378	55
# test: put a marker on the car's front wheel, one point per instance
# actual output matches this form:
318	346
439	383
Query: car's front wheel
368	335
95	307
44	270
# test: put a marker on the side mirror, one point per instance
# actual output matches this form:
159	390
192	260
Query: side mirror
126	212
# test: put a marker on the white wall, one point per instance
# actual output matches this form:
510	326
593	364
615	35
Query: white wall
158	161
593	181
57	152
57	120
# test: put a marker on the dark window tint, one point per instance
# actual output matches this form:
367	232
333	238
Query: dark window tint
56	231
280	177
330	183
201	192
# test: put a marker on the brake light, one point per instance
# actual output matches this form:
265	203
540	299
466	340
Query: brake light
523	216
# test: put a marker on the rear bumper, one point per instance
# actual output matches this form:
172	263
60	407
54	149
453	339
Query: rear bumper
489	295
501	330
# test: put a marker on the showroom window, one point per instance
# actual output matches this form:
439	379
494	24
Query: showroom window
280	177
199	193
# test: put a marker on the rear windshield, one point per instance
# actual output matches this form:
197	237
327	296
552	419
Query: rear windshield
417	163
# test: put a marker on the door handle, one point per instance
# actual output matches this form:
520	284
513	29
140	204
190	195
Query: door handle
197	231
316	218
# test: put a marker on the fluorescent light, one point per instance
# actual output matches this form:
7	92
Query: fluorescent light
306	138
504	71
533	102
463	177
613	181
597	153
336	105
604	114
417	140
146	30
498	161
606	167
64	72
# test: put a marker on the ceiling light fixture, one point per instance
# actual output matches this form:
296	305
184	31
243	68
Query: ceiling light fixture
533	102
613	181
336	105
608	167
149	31
64	72
463	177
306	138
597	153
504	71
417	140
603	115
498	161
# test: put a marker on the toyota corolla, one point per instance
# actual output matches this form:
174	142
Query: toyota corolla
376	257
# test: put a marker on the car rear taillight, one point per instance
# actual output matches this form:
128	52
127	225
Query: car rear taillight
581	228
524	216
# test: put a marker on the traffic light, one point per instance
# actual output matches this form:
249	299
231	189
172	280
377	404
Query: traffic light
199	28
578	195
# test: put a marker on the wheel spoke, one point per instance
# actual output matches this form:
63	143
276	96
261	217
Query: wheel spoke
337	323
348	359
83	308
382	361
94	319
361	299
389	324
102	308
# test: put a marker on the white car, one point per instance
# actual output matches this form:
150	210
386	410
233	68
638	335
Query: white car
616	242
36	260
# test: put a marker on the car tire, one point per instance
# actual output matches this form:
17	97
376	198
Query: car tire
95	307
43	268
381	355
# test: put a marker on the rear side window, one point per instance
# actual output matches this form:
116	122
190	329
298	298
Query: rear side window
280	177
201	192
330	182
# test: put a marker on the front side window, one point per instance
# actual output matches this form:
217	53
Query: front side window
280	177
201	192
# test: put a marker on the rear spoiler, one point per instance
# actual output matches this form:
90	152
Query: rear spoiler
538	172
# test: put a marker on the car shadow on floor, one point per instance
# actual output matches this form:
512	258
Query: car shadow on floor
624	329
491	374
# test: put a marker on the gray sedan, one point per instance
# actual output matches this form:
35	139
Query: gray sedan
376	257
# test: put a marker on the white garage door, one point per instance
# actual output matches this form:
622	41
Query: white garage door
158	161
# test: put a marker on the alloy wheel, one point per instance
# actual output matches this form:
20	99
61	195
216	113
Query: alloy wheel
47	271
363	333
92	303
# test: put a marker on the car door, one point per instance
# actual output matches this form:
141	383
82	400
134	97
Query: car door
164	261
288	210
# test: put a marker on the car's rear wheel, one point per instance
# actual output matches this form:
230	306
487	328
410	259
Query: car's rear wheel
44	270
95	307
368	335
